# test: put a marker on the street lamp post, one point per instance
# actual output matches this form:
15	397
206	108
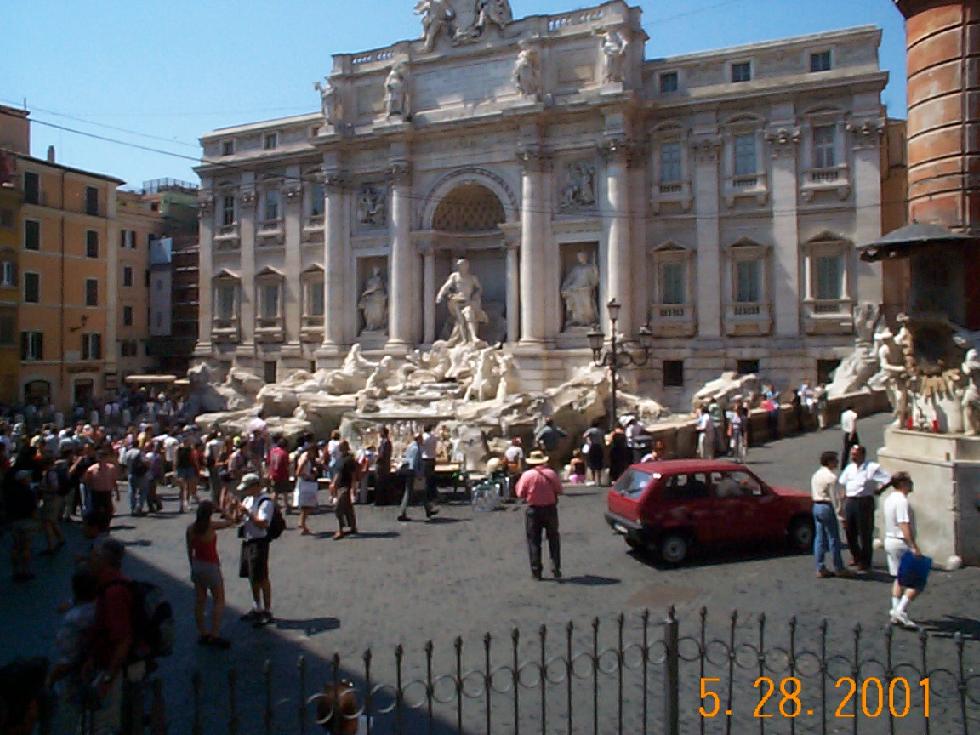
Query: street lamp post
619	354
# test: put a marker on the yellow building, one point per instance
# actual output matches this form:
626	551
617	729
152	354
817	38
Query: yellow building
10	197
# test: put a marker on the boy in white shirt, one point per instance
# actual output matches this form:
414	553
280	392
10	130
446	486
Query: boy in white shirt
899	538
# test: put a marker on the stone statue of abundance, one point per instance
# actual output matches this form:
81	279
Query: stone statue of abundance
396	99
464	297
374	302
578	291
971	396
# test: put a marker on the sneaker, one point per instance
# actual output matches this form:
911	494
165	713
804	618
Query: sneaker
536	574
250	616
403	518
556	573
339	535
824	573
903	620
429	512
263	619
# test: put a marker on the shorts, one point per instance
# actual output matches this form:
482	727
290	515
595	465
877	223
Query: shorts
282	487
52	508
187	473
255	561
101	501
894	549
207	575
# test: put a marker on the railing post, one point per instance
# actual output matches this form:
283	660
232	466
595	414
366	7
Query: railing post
158	710
267	677
488	679
399	694
196	728
301	665
671	675
232	703
368	694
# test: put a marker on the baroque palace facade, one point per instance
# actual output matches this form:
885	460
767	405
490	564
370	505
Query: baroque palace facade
717	196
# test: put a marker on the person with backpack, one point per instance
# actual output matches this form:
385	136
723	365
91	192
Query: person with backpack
259	513
155	473
212	458
540	488
202	553
137	473
54	487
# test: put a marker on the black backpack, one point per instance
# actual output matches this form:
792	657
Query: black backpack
152	620
277	524
138	467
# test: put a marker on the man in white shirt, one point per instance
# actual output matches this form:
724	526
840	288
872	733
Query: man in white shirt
826	506
256	511
706	435
899	538
430	449
848	425
862	481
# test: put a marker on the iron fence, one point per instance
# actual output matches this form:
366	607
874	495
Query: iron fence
630	674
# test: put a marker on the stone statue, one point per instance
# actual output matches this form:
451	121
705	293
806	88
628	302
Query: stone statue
396	95
892	367
483	386
374	302
579	189
614	56
438	17
492	12
971	396
527	77
328	100
464	297
578	290
865	316
506	377
371	208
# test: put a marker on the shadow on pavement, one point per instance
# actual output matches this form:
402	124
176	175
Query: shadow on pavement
952	624
310	627
591	580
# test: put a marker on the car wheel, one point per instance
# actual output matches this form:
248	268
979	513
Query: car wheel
801	534
674	548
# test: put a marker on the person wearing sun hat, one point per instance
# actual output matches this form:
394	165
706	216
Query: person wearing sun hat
540	487
256	514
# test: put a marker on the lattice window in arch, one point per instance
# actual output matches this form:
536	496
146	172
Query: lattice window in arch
468	208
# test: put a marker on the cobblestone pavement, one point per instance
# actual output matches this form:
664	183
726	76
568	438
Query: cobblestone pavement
466	574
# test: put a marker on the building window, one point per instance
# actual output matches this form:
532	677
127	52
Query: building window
673	373
32	188
127	277
32	288
670	163
825	371
317	195
127	239
91	200
748	281
92	346
269	301
820	61
91	292
8	274
270	141
829	275
270	206
668	82
32	346
269	371
823	146
315	301
225	301
745	157
747	367
32	234
8	324
127	316
742	71
228	210
159	319
227	147
6	218
91	244
673	283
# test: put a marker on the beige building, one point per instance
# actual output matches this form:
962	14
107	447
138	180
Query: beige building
717	196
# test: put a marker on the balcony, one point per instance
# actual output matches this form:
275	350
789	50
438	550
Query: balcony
828	316
313	228
225	330
673	320
833	179
311	329
672	192
269	329
745	318
269	233
227	237
746	186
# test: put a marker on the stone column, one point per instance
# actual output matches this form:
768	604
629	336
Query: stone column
246	232
205	268
335	245
292	224
785	289
513	287
535	241
403	316
616	231
710	291
428	294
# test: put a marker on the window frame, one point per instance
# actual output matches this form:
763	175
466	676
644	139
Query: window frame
91	283
128	315
661	168
228	147
674	382
29	197
814	54
739	64
272	138
91	346
127	279
27	339
37	229
92	201
8	274
672	74
92	244
736	137
818	149
37	279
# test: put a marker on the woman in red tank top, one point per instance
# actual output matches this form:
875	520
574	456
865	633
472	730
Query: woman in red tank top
202	553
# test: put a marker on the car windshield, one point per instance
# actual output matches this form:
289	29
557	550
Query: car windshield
632	483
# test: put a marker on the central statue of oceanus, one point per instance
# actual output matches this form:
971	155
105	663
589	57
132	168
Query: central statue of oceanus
464	297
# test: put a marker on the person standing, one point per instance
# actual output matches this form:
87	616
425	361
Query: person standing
514	462
187	472
706	434
862	480
101	480
899	539
548	440
430	450
256	511
595	451
20	507
620	454
826	508
540	487
305	496
212	459
737	428
279	471
848	425
202	554
382	484
413	472
137	473
343	487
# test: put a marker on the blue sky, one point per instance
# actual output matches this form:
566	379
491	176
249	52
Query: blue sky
173	70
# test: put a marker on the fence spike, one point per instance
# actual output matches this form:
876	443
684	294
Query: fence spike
301	666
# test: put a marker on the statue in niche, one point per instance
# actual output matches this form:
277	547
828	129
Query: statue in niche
438	17
527	77
971	395
371	206
580	189
614	48
578	290
464	297
374	302
396	95
328	100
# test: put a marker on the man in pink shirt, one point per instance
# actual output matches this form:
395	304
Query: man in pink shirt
540	487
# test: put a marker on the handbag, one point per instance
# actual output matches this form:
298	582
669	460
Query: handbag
913	571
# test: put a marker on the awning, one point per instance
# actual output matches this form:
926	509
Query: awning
898	243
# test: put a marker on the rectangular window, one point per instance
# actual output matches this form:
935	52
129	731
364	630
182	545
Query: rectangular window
820	61
91	292
829	271
6	218
745	158
269	371
316	299
271	200
673	373
672	284
91	200
748	281
270	141
228	210
92	346
670	163
32	188
270	301
225	302
32	288
742	71
823	146
317	194
32	234
8	324
668	82
227	147
747	367
127	277
32	345
8	274
127	316
91	244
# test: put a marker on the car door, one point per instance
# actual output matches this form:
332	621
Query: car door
750	504
688	504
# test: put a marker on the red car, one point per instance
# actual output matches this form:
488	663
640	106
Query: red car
673	506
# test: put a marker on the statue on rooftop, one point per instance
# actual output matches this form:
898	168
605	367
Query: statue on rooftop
438	17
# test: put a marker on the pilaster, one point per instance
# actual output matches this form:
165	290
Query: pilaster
403	311
246	220
785	294
335	258
705	153
866	145
536	270
293	223
616	226
205	268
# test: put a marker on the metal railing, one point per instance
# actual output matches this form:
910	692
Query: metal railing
631	674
